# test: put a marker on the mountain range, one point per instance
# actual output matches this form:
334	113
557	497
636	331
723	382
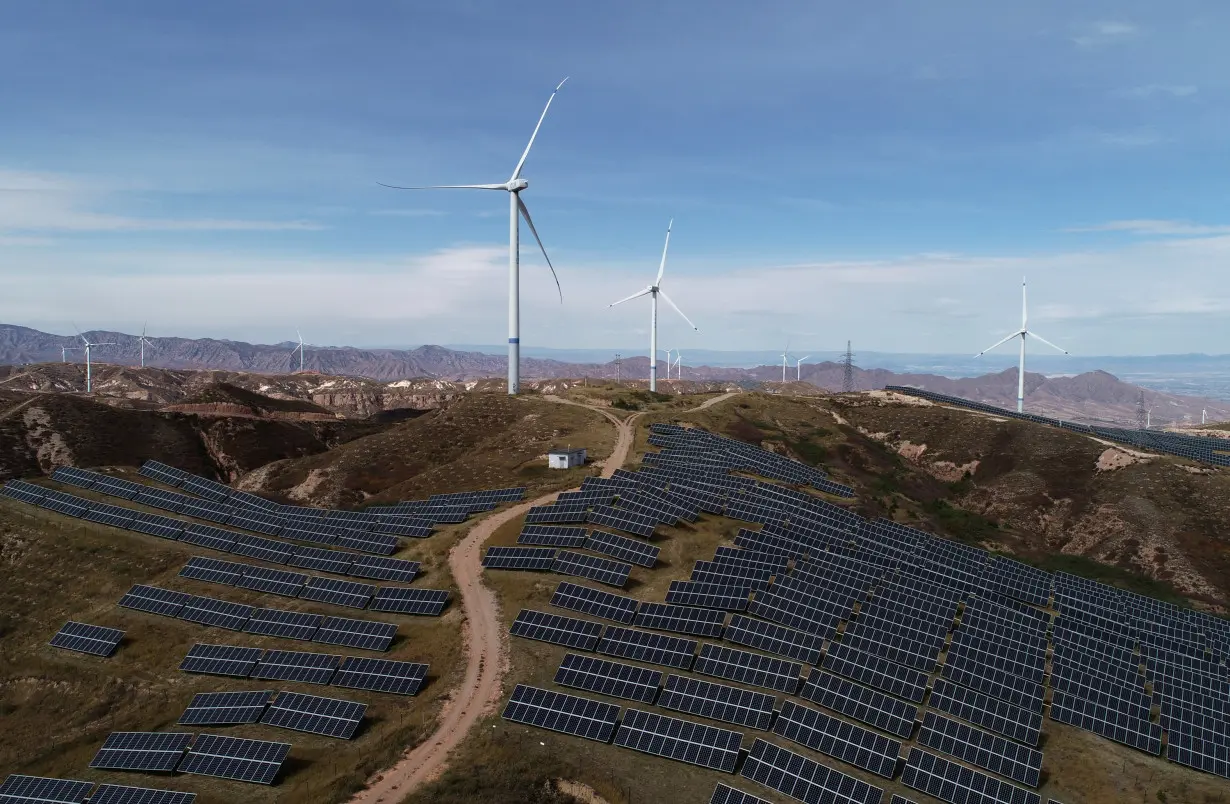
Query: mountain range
1090	396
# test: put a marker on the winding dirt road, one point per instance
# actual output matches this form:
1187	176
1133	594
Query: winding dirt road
483	636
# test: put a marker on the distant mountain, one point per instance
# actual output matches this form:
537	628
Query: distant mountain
1092	396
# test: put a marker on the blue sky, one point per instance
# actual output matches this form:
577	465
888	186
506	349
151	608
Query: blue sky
885	175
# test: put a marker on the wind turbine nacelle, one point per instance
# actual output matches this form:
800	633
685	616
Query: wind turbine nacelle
517	185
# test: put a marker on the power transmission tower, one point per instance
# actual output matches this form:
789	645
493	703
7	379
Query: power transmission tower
1142	415
618	361
847	370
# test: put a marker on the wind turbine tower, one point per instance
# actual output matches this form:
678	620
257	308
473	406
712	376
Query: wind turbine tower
785	361
516	211
668	363
1023	333
799	368
64	350
678	367
144	341
654	291
89	379
299	349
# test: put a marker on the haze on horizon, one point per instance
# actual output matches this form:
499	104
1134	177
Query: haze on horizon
833	173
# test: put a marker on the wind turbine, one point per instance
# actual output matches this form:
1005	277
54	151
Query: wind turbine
89	386
654	291
516	206
678	367
785	360
799	367
144	341
64	350
668	363
1023	333
299	349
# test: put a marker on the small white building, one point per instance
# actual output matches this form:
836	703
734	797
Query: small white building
566	458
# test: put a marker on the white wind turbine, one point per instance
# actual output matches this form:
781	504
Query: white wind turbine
144	341
785	360
1022	333
668	362
678	367
516	206
799	367
64	350
299	349
89	384
654	291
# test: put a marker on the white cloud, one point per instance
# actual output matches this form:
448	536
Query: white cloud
1155	227
49	202
1155	90
1105	32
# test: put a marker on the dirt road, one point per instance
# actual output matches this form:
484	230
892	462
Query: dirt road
483	638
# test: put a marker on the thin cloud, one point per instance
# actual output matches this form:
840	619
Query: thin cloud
1105	32
409	213
1157	90
1154	227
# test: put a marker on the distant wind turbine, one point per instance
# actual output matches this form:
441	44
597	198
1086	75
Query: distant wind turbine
668	363
785	360
1022	333
654	291
89	384
144	341
678	367
516	206
64	350
799	367
299	349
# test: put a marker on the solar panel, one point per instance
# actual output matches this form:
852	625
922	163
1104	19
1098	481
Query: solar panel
381	568
221	660
286	665
25	492
269	524
255	761
286	624
214	612
273	581
958	784
214	538
323	560
20	789
519	558
149	751
376	544
65	504
85	638
340	593
1020	724
225	708
728	597
772	638
748	668
682	740
124	794
1201	754
1122	727
213	570
681	619
274	552
428	602
602	570
381	675
899	680
556	629
210	511
992	681
638	524
112	515
331	717
553	536
837	738
860	703
756	575
717	702
982	749
609	678
805	779
365	634
724	794
154	600
570	714
801	612
594	602
644	646
623	548
164	527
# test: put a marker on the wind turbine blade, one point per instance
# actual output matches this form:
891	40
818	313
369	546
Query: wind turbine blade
525	213
1048	343
662	265
677	310
636	295
534	136
1024	307
447	187
79	335
144	327
1000	343
804	357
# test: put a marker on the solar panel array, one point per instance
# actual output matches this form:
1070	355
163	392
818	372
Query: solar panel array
95	640
569	714
330	717
682	740
354	672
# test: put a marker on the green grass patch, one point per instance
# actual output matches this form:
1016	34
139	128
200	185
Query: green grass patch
1119	577
960	524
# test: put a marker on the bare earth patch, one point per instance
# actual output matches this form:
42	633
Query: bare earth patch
1115	458
581	792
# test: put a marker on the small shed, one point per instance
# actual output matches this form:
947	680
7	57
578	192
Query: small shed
566	458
